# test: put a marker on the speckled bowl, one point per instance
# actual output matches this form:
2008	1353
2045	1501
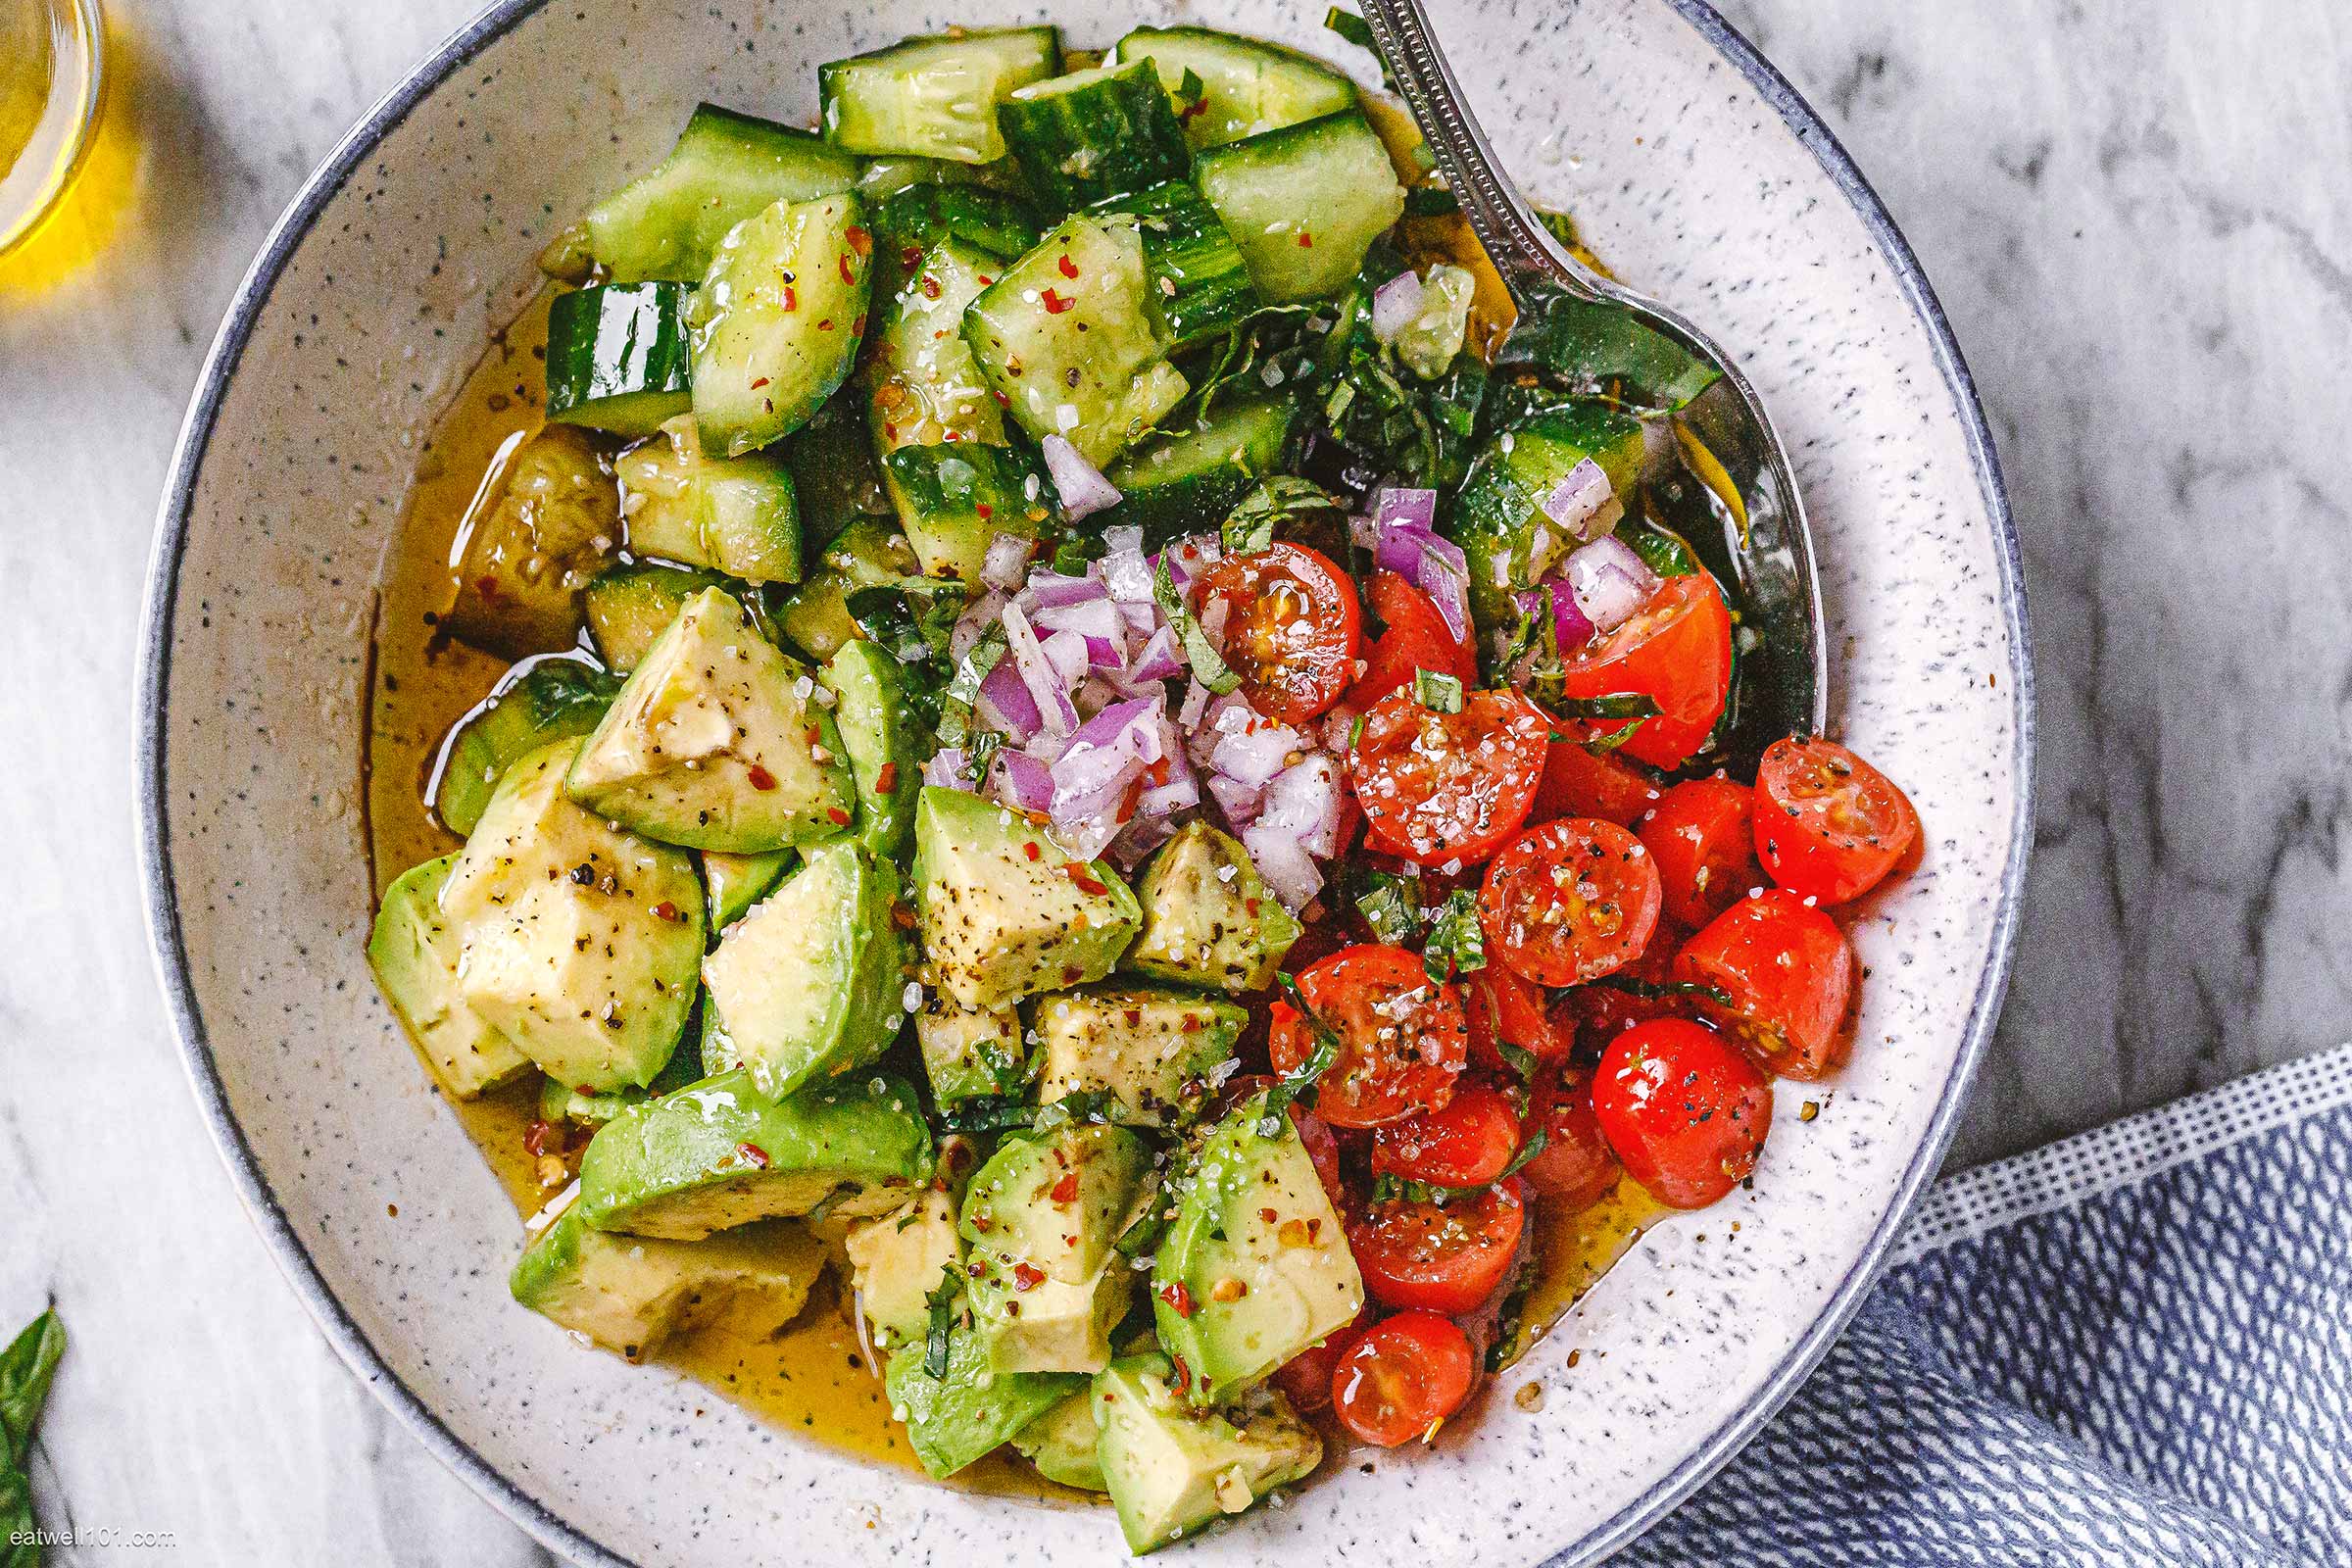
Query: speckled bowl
1694	169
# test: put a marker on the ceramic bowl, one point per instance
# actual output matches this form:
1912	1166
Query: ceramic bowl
1693	167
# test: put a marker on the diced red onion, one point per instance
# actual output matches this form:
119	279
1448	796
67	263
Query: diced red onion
1392	504
1098	622
945	771
1285	865
1611	582
1051	590
1024	653
1303	801
1256	755
1004	704
1127	575
1403	541
1580	501
1081	485
1107	756
1238	801
1071	655
980	615
1006	561
1394	303
1139	838
1571	627
1127	537
1445	577
1159	658
1196	703
1021	781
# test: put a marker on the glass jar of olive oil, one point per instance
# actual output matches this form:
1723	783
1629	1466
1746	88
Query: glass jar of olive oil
52	73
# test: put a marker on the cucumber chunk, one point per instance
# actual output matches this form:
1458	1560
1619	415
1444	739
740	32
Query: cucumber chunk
719	1154
956	498
833	470
934	97
924	386
736	882
579	942
1305	202
1067	336
715	742
741	515
909	223
618	357
545	519
1176	482
777	320
725	167
1200	286
807	984
413	950
1246	86
1498	517
629	606
869	553
551	697
1095	135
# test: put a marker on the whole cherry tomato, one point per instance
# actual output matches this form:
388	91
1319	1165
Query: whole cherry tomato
1829	825
1570	901
1790	979
1684	1110
1701	836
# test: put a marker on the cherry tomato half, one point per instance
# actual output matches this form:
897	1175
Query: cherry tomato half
1468	1143
1404	1376
1576	1169
1403	1040
1576	783
1504	1007
1443	787
1683	1109
1677	651
1446	1258
1790	975
1416	638
1291	625
1829	825
1701	837
1570	901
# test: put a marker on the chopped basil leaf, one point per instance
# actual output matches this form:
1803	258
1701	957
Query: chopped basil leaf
1458	942
1249	526
955	703
1603	744
942	1303
1438	693
1523	1061
1391	905
1650	991
1397	1190
1616	705
1300	1080
1350	27
25	1368
1207	664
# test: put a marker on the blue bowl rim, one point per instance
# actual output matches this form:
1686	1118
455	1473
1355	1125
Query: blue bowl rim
170	950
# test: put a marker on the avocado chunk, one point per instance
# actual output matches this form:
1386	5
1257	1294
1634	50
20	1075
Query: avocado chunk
1150	1050
1209	920
1042	1216
595	1108
715	744
969	1053
1004	910
736	882
808	984
413	950
970	1412
896	1261
630	1293
1252	1214
1065	1446
578	942
886	743
719	1154
1170	1468
1498	518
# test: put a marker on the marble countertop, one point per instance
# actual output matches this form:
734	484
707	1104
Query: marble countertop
2125	211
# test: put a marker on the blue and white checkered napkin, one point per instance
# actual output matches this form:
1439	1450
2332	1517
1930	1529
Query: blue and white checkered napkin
2131	1350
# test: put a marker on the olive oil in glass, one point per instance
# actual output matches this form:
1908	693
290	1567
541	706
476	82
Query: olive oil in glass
52	70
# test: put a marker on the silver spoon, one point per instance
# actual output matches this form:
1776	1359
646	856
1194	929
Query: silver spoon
1772	557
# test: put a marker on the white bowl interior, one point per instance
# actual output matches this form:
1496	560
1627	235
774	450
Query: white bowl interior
1684	177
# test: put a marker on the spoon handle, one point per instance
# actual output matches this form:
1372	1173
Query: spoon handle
1531	262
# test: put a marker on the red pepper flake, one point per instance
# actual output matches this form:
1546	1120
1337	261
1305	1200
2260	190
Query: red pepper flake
1065	1191
1002	401
1267	1216
761	779
1192	1024
858	328
1251	905
757	385
1085	880
909	255
1179	1300
1184	1375
985	509
792	298
814	736
1133	1017
887	778
931	288
1032	850
1185	115
665	911
1071	974
1027	1275
1069	268
902	916
825	326
1306	241
849	273
752	1154
1054	303
541	1137
985	281
859	241
837	816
